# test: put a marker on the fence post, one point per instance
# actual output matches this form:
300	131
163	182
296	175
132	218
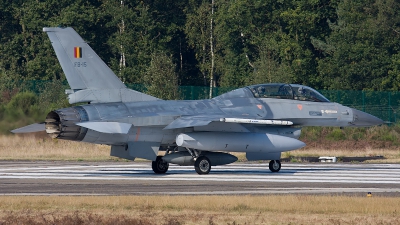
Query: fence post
214	93
338	97
363	100
389	107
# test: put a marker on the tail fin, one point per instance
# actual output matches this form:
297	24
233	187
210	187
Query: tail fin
88	76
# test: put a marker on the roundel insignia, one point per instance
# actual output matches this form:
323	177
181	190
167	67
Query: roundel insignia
259	106
300	107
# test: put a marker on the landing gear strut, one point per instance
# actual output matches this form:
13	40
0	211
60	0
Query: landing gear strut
274	165
202	165
159	166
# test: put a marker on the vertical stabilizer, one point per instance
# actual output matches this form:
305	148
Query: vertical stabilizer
82	66
90	79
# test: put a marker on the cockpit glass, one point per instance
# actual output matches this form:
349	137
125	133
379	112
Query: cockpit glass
304	93
287	91
272	91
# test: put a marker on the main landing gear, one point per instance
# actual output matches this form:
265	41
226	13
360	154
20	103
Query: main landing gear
274	165
159	166
202	165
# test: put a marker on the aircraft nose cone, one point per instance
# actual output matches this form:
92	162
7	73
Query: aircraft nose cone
362	119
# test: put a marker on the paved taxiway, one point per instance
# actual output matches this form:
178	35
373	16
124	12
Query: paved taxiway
116	178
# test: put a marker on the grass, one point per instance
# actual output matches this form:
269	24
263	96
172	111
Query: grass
281	209
41	147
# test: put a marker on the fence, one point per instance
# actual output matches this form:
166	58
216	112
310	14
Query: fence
382	104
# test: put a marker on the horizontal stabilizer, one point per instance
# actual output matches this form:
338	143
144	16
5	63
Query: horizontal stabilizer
107	127
36	127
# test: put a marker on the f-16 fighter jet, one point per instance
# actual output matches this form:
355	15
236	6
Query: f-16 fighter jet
261	120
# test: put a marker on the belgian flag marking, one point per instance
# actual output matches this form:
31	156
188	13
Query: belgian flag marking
78	52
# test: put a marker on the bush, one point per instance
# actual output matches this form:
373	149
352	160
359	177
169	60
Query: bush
311	133
336	135
52	96
23	101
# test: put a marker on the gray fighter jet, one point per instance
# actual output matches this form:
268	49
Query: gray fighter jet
261	120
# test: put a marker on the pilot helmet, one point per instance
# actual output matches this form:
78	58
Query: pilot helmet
261	89
301	91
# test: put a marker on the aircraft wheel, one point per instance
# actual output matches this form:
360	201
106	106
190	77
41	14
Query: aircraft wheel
202	165
159	166
275	165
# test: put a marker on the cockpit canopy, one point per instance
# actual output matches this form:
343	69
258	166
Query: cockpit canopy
276	90
287	91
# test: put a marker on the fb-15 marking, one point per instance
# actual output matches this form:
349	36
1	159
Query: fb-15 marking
80	64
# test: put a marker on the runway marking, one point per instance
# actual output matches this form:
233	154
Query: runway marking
312	173
316	178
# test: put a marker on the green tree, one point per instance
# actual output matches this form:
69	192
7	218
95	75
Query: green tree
26	52
361	45
256	37
268	67
160	79
140	28
233	23
135	37
198	31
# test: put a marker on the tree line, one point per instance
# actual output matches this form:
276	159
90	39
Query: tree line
326	44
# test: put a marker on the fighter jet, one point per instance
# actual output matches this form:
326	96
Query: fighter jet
261	120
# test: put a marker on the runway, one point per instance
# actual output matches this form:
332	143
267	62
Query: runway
132	178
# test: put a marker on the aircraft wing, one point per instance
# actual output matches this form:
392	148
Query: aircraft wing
196	121
191	121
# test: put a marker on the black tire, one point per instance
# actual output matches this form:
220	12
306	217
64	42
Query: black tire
202	165
159	166
275	166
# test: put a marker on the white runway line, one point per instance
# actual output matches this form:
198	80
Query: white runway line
318	176
311	173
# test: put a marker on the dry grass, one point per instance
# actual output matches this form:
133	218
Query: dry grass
41	147
282	209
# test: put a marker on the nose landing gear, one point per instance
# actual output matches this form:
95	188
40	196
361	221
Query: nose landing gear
159	166
274	165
